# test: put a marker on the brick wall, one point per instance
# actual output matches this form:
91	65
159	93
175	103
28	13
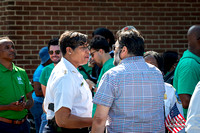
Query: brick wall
32	23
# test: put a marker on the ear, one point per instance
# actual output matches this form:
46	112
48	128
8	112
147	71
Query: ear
124	52
101	51
69	50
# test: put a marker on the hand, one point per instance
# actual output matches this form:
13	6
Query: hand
17	106
90	83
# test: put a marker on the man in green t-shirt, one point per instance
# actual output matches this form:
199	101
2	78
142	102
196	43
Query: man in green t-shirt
187	73
14	84
55	56
99	50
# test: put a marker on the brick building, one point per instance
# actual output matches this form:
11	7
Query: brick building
32	23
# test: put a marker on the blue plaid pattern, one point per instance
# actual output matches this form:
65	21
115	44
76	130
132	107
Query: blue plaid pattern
134	91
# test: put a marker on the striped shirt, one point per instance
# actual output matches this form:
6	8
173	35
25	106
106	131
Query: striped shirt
134	91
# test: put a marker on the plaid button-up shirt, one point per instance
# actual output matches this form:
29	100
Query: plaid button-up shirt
134	91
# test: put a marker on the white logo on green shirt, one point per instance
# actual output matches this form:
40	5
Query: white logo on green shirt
20	80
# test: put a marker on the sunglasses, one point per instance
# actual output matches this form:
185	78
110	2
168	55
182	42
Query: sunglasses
56	52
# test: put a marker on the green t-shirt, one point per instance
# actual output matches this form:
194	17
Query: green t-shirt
187	75
46	72
13	85
106	66
87	69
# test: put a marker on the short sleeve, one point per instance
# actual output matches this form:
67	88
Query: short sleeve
36	75
43	79
64	93
187	78
192	123
105	94
28	85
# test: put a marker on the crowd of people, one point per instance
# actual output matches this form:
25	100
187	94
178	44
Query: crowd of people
102	85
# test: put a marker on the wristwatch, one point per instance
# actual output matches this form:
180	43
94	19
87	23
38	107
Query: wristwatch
93	87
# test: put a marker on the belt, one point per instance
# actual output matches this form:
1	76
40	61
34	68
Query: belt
13	121
80	130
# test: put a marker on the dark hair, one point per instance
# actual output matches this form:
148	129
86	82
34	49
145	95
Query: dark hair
158	58
53	42
71	39
99	42
170	58
105	33
133	40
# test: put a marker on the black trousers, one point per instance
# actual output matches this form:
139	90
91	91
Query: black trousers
52	128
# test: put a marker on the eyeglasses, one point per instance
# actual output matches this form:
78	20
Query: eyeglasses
56	52
92	54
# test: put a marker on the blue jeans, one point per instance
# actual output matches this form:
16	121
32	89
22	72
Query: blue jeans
37	111
15	128
43	122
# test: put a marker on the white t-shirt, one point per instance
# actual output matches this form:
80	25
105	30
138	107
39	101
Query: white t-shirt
66	87
193	114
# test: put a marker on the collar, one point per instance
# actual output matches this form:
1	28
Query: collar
108	61
188	54
4	69
69	65
133	59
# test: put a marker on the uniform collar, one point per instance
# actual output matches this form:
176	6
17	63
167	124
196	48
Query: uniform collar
69	65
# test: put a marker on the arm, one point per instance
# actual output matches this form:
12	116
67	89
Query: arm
37	89
16	106
91	84
185	99
65	119
99	119
186	79
43	89
29	102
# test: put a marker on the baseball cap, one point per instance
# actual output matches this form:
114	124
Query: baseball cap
128	28
44	55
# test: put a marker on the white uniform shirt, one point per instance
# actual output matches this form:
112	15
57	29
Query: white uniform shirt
67	88
193	114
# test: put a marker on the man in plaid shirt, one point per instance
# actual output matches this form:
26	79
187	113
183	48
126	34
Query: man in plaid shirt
131	94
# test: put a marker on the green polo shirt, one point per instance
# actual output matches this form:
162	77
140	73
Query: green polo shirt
13	85
187	74
46	72
106	66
